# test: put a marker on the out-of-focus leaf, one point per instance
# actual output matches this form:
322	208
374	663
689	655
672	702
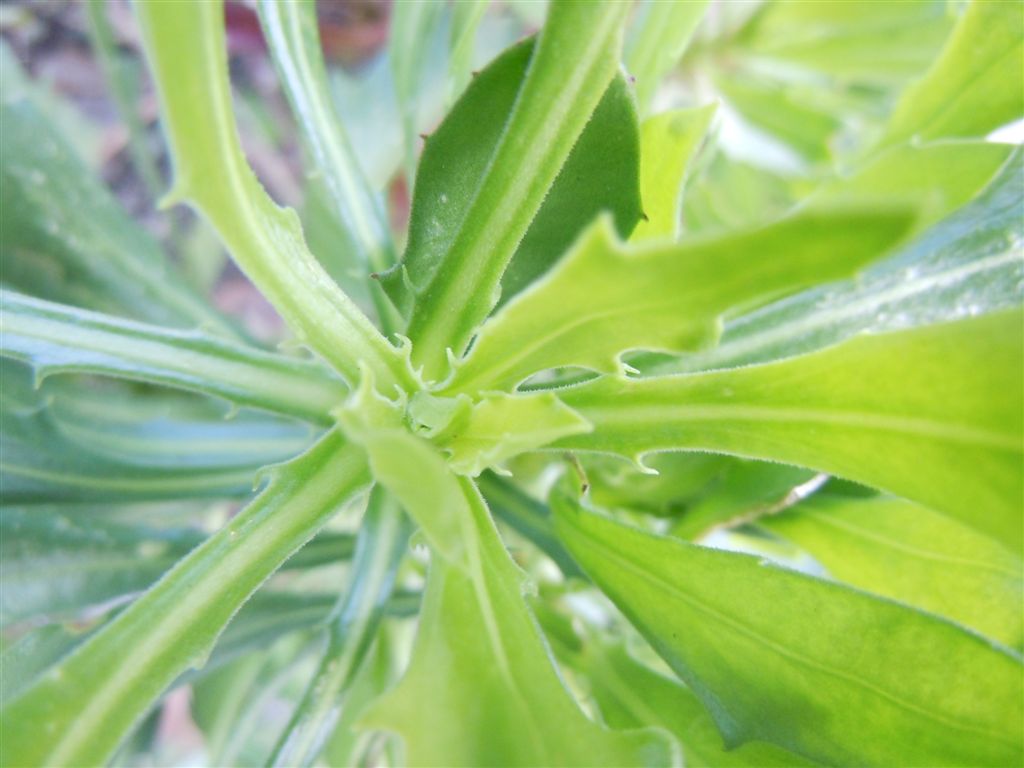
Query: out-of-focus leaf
91	700
54	338
631	695
598	175
24	660
741	493
466	18
904	551
212	173
859	41
658	42
56	565
970	263
775	108
976	85
605	298
679	479
571	67
64	237
935	414
481	688
780	656
668	143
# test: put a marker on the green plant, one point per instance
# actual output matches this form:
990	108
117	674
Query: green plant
551	318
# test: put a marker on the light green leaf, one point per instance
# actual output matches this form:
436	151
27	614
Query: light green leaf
599	174
466	18
212	174
658	42
65	237
291	31
631	695
605	298
381	545
481	688
935	414
575	59
90	701
859	40
668	143
976	85
968	264
496	427
823	670
54	338
907	552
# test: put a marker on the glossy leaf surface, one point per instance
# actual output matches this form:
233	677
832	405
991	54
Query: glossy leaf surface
779	656
933	414
605	298
905	551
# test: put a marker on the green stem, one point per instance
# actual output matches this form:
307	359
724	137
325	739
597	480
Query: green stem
575	59
212	173
89	701
379	550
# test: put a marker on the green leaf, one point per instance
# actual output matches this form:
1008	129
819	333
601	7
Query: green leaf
976	85
56	565
381	545
904	551
605	298
599	174
658	43
91	700
212	174
935	414
64	236
481	688
630	695
574	61
820	669
496	427
54	338
859	41
291	32
465	22
668	143
966	265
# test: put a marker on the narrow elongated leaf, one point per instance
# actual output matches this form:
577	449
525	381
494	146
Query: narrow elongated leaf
935	414
383	538
53	565
604	298
971	263
576	58
466	18
907	552
976	85
212	174
64	237
291	30
659	42
631	695
668	143
90	701
54	338
783	657
481	688
599	174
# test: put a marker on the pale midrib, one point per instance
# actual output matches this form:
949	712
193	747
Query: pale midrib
682	414
754	635
730	350
922	554
188	479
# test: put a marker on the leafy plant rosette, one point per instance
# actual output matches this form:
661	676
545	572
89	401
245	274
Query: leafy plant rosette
562	388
